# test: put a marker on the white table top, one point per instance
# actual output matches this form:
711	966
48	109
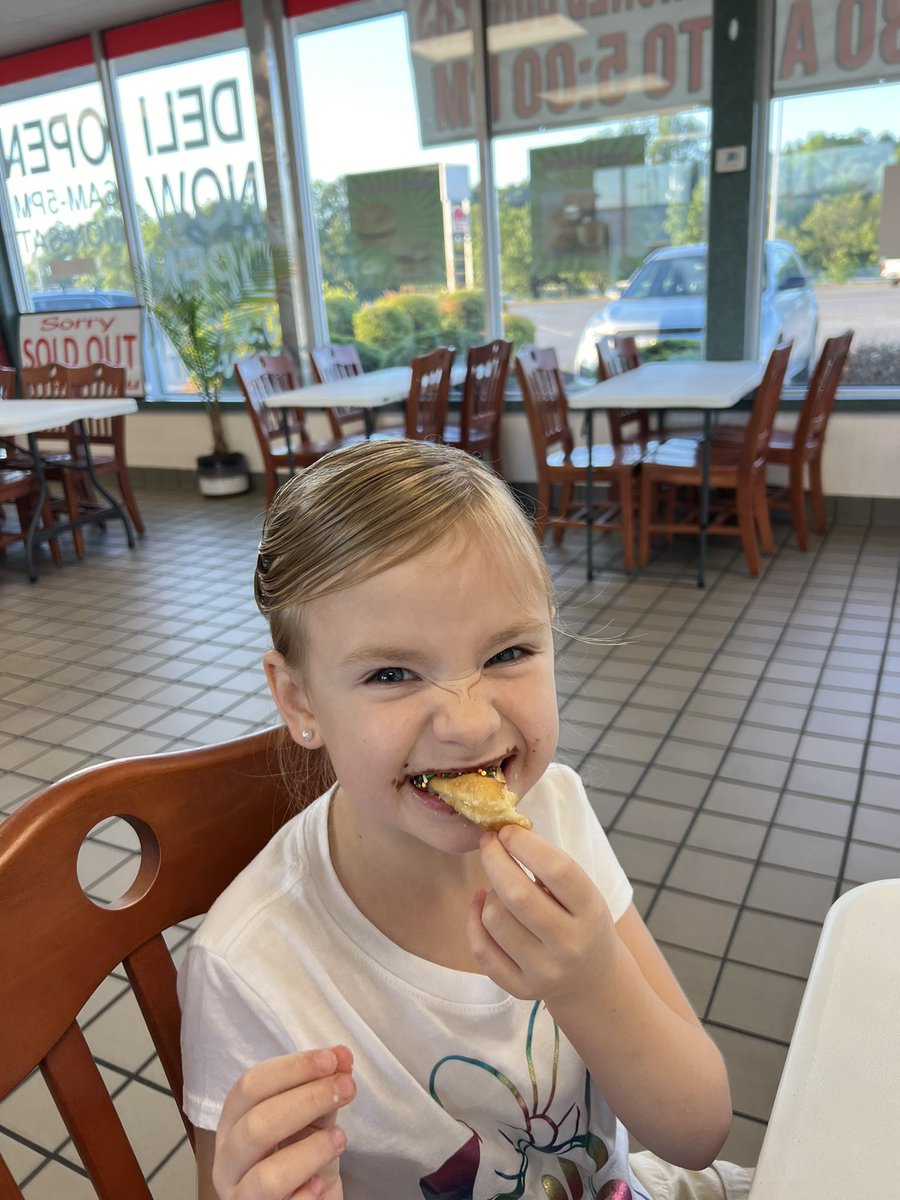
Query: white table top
835	1124
370	390
30	416
675	384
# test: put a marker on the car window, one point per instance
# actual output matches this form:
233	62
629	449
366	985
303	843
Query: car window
665	277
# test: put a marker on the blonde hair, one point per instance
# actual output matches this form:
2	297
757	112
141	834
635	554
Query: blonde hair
367	507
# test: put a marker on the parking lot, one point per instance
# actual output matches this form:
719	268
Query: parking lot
871	308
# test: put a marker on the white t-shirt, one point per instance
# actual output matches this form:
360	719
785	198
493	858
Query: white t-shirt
462	1090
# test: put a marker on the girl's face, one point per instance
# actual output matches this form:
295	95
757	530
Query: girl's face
442	663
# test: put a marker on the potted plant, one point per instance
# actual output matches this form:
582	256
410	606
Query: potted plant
212	319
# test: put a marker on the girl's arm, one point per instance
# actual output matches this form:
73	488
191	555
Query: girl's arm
609	989
277	1134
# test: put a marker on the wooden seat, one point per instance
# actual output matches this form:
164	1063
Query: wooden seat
262	376
563	466
739	470
481	415
426	407
802	447
200	816
98	380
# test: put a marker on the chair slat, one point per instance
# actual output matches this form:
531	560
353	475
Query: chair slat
91	1119
8	1187
152	975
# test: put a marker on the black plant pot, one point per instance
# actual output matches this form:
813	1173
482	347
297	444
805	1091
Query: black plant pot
222	474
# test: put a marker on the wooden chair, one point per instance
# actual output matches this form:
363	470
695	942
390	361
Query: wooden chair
100	379
7	382
478	431
262	376
335	361
738	469
426	407
803	446
200	815
20	487
626	425
560	464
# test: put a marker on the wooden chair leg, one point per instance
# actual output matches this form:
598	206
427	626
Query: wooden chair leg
798	505
542	509
566	491
747	528
648	495
761	509
816	495
130	503
626	502
73	508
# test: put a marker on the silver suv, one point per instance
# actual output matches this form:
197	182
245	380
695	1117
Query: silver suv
663	306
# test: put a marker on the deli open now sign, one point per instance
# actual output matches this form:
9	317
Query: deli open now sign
78	339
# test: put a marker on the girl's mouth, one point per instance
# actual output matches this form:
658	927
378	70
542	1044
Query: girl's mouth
492	770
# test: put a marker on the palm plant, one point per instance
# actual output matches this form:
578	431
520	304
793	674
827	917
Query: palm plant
217	316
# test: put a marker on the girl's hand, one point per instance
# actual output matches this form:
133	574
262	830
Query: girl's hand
539	940
278	1136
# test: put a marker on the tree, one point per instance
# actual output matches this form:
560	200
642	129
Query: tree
839	234
333	226
688	223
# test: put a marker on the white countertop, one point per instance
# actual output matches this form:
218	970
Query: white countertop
30	416
674	384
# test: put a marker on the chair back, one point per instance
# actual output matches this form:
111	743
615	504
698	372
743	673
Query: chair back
261	376
46	382
819	401
7	382
755	443
200	816
336	361
426	407
483	391
546	405
614	360
98	380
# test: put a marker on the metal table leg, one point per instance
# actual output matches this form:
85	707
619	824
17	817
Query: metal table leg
92	475
705	455
589	431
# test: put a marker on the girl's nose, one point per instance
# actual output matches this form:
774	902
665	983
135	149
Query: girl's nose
465	714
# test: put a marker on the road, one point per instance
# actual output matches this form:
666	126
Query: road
872	309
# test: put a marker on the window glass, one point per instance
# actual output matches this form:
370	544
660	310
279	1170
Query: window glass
834	183
395	184
602	158
189	127
61	192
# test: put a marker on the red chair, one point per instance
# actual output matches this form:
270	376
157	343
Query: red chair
562	465
261	376
426	407
335	361
481	415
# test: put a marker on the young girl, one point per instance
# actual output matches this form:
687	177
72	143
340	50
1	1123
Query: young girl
391	1003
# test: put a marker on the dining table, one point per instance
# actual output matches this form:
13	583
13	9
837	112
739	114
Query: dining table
704	386
29	418
833	1129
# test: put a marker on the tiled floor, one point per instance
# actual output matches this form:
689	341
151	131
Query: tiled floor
740	743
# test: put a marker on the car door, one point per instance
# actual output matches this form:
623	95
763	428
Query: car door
792	301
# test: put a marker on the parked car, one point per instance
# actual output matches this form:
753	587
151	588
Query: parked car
61	300
663	306
890	269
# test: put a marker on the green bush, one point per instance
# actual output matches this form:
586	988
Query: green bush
425	315
388	328
465	309
340	309
519	330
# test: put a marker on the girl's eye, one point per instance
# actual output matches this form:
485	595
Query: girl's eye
390	675
510	654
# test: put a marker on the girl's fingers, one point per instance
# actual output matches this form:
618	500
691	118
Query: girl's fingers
278	1120
277	1075
294	1169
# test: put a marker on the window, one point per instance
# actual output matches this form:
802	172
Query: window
394	183
834	156
185	95
61	192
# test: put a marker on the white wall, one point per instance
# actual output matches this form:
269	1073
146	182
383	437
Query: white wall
862	450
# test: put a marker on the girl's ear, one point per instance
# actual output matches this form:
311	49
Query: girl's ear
291	701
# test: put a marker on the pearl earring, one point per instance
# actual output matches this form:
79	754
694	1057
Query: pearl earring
306	735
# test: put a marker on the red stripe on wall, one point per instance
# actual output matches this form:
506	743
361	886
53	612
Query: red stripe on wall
48	60
300	8
169	30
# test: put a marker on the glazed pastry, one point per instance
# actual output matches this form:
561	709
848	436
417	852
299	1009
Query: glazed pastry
480	797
